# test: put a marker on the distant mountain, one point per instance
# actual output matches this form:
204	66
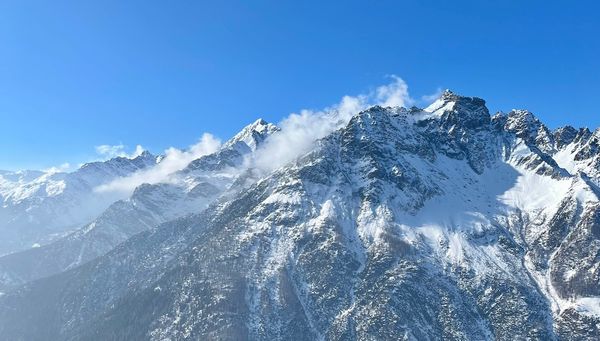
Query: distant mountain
414	224
190	190
37	207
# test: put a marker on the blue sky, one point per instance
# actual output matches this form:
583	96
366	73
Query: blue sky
78	74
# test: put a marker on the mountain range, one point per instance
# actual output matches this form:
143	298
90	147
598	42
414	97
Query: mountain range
413	224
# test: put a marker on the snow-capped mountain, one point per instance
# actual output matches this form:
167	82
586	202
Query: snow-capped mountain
37	207
188	191
441	223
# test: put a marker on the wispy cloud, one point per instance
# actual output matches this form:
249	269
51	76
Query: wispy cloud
110	151
300	130
428	99
174	159
298	133
58	169
394	94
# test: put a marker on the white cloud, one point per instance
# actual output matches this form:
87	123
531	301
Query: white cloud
58	169
300	131
428	99
394	94
173	160
137	152
110	151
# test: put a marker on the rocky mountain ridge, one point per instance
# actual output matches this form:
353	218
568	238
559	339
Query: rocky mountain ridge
442	223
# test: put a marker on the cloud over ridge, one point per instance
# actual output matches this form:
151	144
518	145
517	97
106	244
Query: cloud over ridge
111	151
300	130
173	160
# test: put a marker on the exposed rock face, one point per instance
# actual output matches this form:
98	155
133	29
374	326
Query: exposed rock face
443	223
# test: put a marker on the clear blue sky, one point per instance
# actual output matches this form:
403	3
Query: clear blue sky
78	74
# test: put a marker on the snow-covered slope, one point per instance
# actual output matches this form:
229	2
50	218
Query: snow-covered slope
37	207
188	191
443	223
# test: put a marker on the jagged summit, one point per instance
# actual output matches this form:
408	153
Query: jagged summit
448	94
457	110
144	158
145	154
253	134
565	135
233	151
522	122
260	122
448	97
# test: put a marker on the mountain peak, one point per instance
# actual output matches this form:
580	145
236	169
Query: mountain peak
448	94
259	122
565	135
144	155
523	122
455	109
143	159
253	134
449	100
